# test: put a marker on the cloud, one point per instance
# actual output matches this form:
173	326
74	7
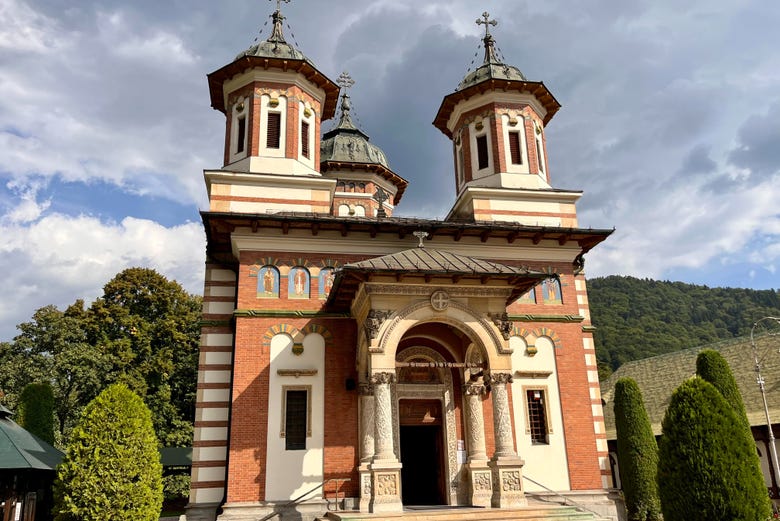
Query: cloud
57	259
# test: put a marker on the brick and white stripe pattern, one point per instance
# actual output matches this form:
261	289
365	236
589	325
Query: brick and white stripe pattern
209	454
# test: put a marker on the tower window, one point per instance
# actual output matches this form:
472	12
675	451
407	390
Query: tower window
514	148
482	152
241	138
539	155
305	139
274	130
537	416
296	418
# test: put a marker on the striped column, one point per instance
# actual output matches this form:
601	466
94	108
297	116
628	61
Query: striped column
209	453
591	365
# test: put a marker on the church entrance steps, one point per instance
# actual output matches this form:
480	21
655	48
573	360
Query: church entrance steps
534	513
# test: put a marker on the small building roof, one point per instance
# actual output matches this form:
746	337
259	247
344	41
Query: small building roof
658	377
20	449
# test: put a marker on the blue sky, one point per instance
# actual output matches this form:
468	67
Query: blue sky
669	125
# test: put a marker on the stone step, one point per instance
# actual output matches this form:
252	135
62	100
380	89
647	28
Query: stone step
535	513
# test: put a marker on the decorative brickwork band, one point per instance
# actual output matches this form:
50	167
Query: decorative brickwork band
502	424
383	417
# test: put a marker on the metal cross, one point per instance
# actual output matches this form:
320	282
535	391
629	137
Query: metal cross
487	22
279	4
344	80
420	235
380	196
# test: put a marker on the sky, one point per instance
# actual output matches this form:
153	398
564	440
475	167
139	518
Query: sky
670	126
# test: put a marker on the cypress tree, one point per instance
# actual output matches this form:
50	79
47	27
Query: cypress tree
35	411
637	453
712	367
708	467
111	470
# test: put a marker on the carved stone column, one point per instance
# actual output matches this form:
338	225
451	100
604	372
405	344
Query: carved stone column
507	467
480	477
385	468
366	443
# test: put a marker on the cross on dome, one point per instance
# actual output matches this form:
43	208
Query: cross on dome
345	81
277	35
490	51
420	235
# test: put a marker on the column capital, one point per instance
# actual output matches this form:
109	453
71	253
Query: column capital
500	378
383	378
474	389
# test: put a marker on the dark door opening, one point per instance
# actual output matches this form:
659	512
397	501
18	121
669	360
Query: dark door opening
422	454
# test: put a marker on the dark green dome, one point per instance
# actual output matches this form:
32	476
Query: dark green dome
275	46
492	68
345	143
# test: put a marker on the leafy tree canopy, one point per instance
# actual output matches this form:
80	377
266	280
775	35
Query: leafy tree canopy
639	318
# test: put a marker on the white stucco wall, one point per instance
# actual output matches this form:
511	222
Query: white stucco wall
290	473
545	463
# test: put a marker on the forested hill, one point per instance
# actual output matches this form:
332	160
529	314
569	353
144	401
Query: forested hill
639	318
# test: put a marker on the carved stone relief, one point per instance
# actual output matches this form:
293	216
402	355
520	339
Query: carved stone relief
374	322
504	325
482	481
387	485
511	481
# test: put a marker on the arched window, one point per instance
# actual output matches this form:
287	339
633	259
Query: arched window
360	211
343	210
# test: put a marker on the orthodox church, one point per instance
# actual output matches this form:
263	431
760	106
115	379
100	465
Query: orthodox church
355	361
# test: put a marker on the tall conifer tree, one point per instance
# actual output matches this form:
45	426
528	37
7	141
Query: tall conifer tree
637	453
708	467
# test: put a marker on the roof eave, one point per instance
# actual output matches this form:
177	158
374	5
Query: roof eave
535	88
217	78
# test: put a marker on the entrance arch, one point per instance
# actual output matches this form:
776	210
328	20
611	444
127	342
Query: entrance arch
413	397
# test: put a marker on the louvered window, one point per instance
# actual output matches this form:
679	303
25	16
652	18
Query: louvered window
295	419
241	138
274	130
482	152
305	139
514	148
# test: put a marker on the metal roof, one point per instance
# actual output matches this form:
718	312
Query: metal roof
20	449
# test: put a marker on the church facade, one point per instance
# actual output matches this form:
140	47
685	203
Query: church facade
357	358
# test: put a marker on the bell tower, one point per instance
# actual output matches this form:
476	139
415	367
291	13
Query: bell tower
496	120
274	100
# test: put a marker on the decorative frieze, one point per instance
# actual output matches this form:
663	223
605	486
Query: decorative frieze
502	322
374	322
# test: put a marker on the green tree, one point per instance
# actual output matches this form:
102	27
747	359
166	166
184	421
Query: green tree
708	467
111	470
36	411
637	453
712	367
149	329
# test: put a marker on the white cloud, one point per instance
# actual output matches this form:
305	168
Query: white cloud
24	30
58	258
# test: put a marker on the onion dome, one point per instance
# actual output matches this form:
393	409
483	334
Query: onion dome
345	143
492	67
275	46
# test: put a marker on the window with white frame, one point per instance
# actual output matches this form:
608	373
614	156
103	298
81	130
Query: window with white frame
296	416
537	423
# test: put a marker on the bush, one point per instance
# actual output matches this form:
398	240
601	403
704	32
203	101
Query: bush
637	453
111	470
35	411
708	467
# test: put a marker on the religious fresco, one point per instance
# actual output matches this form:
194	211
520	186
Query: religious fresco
268	282
551	291
326	281
298	283
529	297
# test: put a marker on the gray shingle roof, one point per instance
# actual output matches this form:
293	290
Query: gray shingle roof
659	376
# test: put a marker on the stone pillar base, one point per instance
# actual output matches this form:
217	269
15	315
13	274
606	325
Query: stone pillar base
365	488
200	512
480	484
385	487
508	483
